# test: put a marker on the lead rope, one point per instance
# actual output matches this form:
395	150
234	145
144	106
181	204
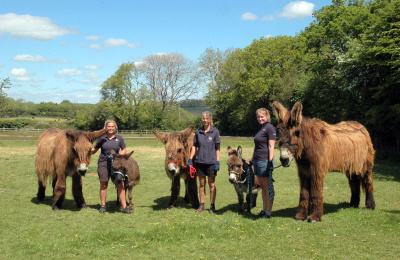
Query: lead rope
250	182
271	190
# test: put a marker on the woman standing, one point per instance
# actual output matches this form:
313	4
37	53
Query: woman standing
206	147
107	142
262	159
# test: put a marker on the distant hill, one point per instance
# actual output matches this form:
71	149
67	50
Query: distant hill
195	106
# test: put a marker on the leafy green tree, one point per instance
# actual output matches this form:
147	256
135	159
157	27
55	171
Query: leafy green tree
125	93
5	84
269	69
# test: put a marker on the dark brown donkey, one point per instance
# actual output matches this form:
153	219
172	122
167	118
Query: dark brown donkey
240	177
177	148
125	169
319	148
60	154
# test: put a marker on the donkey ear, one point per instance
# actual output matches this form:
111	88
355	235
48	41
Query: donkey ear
161	136
229	149
92	136
295	115
126	156
185	134
279	111
239	152
71	135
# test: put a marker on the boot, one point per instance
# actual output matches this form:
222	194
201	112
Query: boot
212	208
201	208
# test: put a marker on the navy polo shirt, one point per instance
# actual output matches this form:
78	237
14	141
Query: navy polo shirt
267	132
106	144
206	142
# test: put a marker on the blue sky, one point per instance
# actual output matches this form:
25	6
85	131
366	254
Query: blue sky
63	50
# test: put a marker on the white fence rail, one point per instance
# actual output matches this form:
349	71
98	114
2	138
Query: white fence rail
139	132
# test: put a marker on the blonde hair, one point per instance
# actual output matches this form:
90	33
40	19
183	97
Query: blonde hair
208	113
110	121
263	111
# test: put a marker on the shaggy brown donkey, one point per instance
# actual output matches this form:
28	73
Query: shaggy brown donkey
319	148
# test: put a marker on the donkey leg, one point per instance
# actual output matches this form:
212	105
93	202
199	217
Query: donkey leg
175	187
130	197
367	184
58	192
191	190
354	183
77	191
317	199
302	211
41	191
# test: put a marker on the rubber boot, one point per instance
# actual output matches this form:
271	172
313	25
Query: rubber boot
201	208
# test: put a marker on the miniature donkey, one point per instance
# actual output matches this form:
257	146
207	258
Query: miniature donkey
239	176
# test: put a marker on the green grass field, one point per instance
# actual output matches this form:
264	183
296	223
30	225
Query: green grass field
32	230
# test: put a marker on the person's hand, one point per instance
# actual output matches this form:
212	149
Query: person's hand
190	163
271	165
216	166
249	162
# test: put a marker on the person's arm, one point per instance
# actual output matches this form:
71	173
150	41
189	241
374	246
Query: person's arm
271	149
94	150
122	152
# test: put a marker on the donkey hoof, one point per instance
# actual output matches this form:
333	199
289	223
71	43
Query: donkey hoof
310	220
55	208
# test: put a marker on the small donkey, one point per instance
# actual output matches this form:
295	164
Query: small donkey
239	176
130	173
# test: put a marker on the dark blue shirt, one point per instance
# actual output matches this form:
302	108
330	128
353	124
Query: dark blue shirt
106	144
206	142
267	132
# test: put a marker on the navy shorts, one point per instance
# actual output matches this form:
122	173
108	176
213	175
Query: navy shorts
203	170
261	168
103	170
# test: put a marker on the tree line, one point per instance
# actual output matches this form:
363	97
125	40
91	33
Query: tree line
344	66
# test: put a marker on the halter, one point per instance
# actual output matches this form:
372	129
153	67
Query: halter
192	170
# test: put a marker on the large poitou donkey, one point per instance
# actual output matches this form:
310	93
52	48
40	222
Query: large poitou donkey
319	148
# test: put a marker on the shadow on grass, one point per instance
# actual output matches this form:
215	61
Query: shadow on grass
162	203
69	204
284	213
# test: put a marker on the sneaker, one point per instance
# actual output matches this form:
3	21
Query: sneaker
212	208
102	209
127	210
263	214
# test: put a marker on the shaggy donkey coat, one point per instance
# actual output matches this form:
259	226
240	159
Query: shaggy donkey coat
177	148
129	167
60	154
318	148
238	176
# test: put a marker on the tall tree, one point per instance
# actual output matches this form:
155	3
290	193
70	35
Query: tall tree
170	77
5	84
126	92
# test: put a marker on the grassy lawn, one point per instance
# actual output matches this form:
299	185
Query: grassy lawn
32	230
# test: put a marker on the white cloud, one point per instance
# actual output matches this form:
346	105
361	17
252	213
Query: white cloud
68	73
92	67
267	18
297	9
30	58
249	17
268	36
92	79
92	38
31	27
95	46
19	72
27	79
112	42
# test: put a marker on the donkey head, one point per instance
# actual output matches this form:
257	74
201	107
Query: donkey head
289	131
177	148
120	163
235	165
82	143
